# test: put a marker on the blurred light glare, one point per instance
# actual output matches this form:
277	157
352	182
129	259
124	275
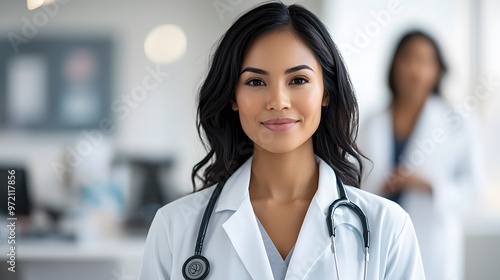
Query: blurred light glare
33	4
165	44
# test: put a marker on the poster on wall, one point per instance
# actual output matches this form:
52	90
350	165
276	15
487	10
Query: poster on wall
55	84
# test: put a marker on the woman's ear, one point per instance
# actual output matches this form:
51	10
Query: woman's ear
234	105
326	100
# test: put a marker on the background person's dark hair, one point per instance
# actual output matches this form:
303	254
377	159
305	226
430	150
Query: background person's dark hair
402	43
228	145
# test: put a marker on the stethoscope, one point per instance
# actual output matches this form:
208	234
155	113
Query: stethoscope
197	267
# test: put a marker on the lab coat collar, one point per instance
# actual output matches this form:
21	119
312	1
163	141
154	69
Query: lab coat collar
236	188
242	228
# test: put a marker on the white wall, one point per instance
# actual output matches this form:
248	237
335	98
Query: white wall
162	124
488	67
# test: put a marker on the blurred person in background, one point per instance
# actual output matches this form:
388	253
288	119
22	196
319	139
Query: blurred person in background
424	154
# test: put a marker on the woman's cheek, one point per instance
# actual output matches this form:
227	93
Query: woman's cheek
309	103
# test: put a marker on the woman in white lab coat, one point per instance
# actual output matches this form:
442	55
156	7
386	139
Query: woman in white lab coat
425	155
279	117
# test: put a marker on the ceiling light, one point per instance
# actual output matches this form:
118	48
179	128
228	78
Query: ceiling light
165	44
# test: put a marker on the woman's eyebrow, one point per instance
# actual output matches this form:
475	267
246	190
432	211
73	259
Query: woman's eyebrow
287	71
255	70
297	68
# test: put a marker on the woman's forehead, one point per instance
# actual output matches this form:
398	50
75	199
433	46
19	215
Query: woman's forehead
279	50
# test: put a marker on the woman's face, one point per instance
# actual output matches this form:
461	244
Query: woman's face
416	69
280	92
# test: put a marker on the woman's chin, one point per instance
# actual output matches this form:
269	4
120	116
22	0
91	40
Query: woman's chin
280	146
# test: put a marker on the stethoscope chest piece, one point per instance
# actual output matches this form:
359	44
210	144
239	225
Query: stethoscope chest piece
195	268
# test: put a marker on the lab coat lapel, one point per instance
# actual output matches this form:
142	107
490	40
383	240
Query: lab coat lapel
242	228
313	240
311	244
244	234
427	121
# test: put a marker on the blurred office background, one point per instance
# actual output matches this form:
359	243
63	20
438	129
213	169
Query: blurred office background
98	104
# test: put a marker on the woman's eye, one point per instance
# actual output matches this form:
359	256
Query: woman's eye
299	81
255	83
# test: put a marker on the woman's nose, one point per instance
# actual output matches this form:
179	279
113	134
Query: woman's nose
278	99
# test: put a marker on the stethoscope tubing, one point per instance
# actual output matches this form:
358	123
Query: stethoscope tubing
206	219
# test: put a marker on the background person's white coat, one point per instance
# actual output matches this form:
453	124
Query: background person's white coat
443	149
235	248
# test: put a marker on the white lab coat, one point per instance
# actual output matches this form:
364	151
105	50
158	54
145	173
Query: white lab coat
443	150
235	248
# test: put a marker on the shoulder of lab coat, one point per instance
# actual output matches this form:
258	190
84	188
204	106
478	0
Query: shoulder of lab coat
158	257
394	249
403	262
394	237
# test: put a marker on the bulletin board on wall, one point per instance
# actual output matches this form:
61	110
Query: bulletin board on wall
55	83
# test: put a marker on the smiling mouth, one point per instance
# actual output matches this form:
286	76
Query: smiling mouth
279	124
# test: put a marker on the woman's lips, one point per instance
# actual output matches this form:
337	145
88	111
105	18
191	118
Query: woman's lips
279	124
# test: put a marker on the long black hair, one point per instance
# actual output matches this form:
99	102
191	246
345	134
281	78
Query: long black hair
405	40
227	144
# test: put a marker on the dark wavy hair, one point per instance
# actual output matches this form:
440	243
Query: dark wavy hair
227	144
405	40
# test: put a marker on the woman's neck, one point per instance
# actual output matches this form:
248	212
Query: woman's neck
410	104
405	114
284	177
